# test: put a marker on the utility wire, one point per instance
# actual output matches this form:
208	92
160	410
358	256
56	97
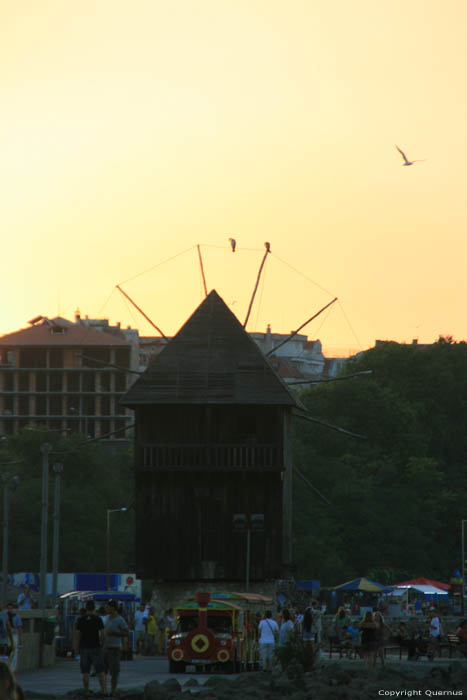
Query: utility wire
108	364
150	269
303	275
308	483
309	418
331	379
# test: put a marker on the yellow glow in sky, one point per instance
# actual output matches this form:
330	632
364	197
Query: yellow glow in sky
131	132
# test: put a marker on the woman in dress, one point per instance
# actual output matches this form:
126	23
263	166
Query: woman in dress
381	629
368	629
286	628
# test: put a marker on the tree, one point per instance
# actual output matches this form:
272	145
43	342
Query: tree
93	480
397	497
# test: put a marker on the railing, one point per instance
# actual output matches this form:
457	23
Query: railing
211	456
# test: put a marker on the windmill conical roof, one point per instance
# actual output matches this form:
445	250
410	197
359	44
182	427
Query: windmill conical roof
211	359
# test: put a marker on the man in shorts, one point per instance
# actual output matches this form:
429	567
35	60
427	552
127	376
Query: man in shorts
89	639
115	630
268	632
140	619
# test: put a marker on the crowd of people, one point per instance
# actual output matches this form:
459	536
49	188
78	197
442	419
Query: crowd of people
365	638
278	632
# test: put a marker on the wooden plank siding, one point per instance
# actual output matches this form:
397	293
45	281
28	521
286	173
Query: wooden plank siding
211	441
186	532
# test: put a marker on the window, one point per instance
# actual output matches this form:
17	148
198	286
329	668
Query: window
33	358
72	406
120	381
73	381
122	357
55	403
41	381
8	406
55	381
23	381
89	405
100	356
105	381
56	358
41	405
8	381
89	381
105	406
23	405
104	427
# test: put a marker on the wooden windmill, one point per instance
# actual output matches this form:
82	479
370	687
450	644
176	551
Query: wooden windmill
212	442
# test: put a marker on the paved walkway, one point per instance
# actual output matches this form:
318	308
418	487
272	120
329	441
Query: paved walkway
66	676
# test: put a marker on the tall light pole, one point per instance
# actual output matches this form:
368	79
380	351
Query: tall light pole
45	449
109	511
248	524
58	468
463	570
6	478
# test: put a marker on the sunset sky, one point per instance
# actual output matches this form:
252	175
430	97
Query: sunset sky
133	131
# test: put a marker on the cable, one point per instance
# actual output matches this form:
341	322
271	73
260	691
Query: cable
350	326
303	275
144	272
261	296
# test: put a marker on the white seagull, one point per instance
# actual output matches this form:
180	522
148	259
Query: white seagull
406	160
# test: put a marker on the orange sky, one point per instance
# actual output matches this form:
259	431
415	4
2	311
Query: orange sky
130	132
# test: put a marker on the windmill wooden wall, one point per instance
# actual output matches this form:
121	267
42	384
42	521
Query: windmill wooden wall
211	441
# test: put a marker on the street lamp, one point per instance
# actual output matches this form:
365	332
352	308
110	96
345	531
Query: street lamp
463	570
58	468
248	524
109	511
6	480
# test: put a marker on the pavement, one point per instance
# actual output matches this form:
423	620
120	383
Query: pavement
65	676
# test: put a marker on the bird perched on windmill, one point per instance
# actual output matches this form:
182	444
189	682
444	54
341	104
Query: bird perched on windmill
233	244
406	160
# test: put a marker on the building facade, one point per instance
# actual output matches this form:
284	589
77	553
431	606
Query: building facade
66	376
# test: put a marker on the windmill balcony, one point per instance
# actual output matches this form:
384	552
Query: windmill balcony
215	456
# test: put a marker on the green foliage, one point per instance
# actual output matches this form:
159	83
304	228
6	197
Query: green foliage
296	651
94	479
397	498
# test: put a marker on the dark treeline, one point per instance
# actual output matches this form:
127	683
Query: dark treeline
93	480
397	498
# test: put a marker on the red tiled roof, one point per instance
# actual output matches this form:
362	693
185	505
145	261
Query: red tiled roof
74	335
285	369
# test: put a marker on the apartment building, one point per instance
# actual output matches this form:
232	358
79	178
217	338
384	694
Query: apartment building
68	376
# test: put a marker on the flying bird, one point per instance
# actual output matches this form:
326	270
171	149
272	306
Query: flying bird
233	243
406	160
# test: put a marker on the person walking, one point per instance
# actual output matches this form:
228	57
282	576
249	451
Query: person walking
434	633
368	638
317	620
268	631
115	630
24	600
381	629
139	621
286	628
89	639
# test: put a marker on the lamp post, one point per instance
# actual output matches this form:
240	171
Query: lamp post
109	511
6	479
45	449
248	524
463	569
58	468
